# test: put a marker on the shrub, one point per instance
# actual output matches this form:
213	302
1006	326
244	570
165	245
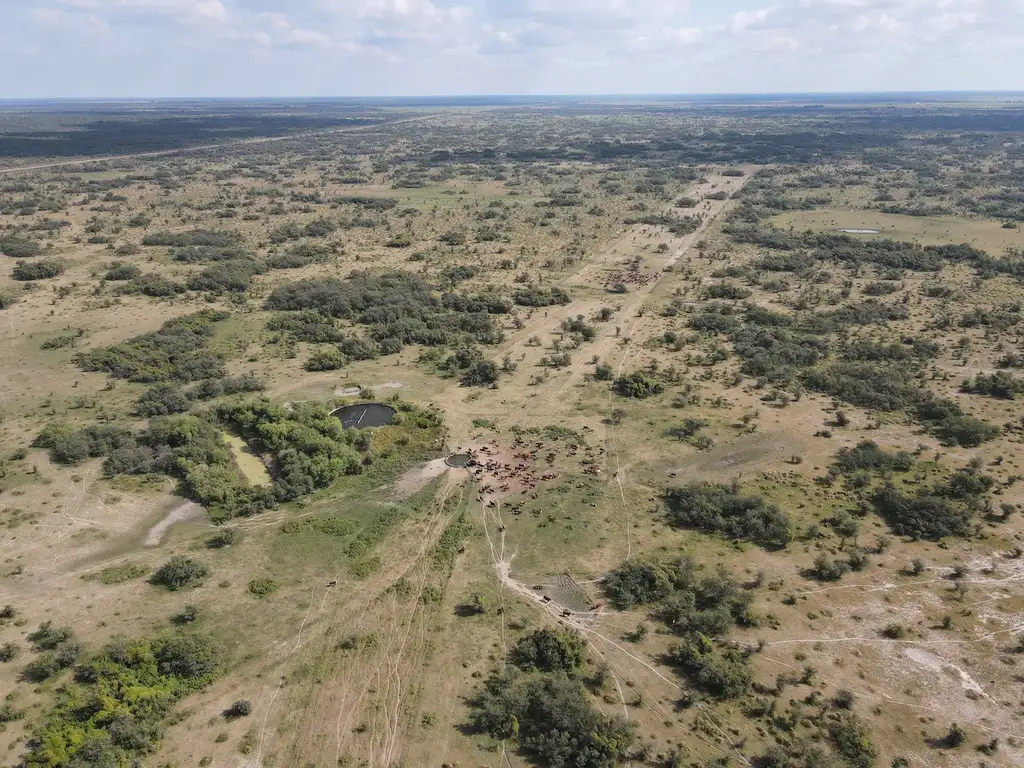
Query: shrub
827	569
300	255
726	291
9	652
241	708
956	736
206	254
550	650
603	372
637	385
922	517
37	270
635	583
119	574
453	238
119	271
852	740
179	572
73	446
157	286
329	359
161	400
482	373
50	663
535	296
399	308
867	455
722	673
207	389
221	539
131	687
1000	384
226	276
49	638
19	247
720	509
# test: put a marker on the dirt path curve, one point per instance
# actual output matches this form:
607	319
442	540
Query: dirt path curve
202	147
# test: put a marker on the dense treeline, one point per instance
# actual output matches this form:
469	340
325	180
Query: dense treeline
1000	384
540	703
165	399
99	131
399	308
195	238
807	249
893	388
721	509
113	711
178	351
305	447
698	606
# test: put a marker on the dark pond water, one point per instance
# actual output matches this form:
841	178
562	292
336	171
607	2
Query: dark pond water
365	415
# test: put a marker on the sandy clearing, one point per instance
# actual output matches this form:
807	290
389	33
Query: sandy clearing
186	510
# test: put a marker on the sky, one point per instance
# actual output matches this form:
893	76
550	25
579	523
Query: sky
296	48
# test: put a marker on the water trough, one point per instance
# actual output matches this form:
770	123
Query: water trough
458	460
365	415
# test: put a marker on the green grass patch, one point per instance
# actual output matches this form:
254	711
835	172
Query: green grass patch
118	574
262	587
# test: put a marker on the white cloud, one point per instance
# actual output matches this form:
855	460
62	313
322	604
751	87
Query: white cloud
185	10
744	20
46	17
435	46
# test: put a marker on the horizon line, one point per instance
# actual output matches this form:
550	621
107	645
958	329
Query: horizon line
537	95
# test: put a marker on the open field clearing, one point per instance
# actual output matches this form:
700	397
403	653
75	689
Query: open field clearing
732	487
984	234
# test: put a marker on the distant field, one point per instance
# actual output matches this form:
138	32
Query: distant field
988	235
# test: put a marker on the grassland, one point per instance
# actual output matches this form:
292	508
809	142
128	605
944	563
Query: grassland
549	264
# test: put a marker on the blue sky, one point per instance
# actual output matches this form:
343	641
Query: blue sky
95	48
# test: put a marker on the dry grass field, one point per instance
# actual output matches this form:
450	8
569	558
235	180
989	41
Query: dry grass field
744	490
